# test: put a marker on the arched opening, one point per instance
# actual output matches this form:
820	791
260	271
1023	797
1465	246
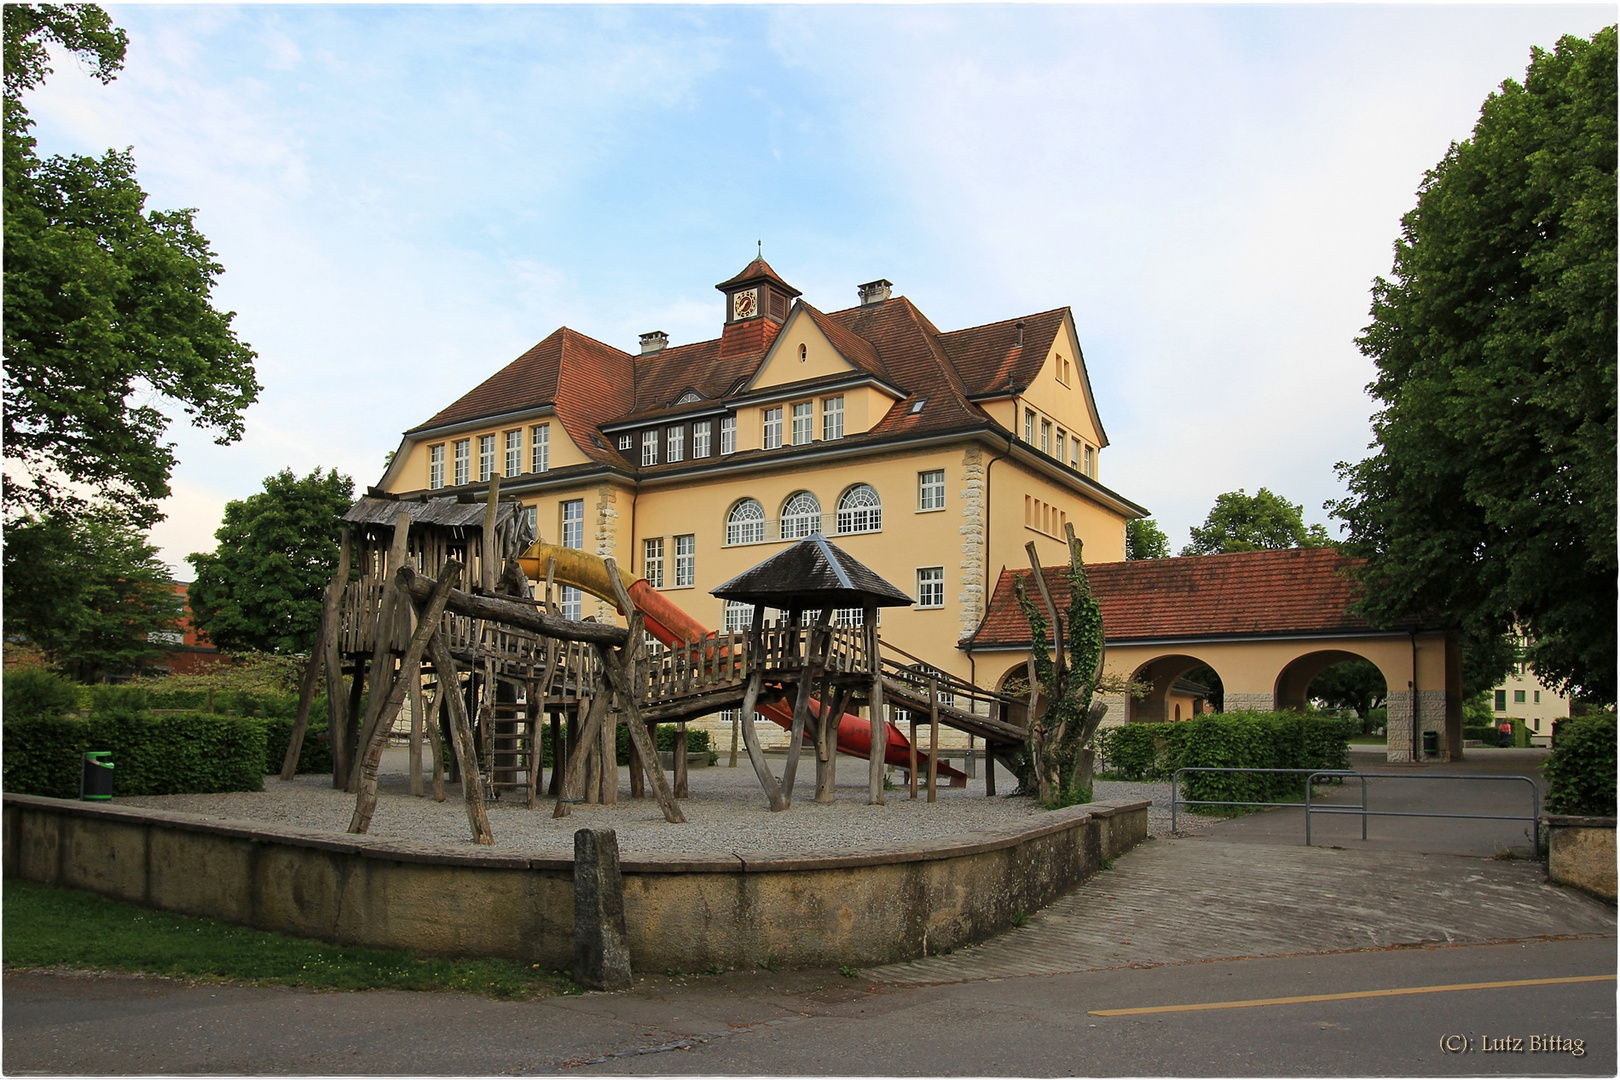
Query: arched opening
860	510
1014	682
801	516
1338	680
745	524
1172	691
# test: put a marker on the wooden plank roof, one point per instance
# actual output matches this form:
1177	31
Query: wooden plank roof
814	573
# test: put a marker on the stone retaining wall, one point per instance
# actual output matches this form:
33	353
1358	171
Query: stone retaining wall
1581	852
877	907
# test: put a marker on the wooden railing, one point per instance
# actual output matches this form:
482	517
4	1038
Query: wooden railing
782	647
701	664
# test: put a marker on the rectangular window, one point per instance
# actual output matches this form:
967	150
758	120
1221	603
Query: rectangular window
436	466
931	587
649	447
728	434
627	441
832	418
1074	453
700	439
1062	444
573	523
1029	426
1501	701
675	440
1538	697
530	515
1091	462
685	561
738	616
652	561
1518	697
931	490
463	460
1046	436
514	452
486	458
773	428
804	418
572	603
540	448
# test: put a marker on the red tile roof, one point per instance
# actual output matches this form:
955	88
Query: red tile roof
755	270
1297	591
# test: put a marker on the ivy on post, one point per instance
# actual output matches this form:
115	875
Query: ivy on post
1057	759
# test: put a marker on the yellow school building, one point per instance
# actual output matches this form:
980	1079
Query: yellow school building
931	456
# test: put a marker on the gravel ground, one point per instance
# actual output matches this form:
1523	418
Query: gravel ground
726	812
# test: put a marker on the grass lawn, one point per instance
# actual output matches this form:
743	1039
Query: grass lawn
45	927
1367	740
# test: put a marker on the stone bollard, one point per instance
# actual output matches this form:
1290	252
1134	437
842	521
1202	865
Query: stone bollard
601	956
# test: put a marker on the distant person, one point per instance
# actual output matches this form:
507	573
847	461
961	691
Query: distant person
1505	738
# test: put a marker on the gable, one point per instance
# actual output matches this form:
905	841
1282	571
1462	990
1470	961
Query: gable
1061	390
800	336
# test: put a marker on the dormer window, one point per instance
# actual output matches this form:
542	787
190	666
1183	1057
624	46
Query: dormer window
627	442
689	397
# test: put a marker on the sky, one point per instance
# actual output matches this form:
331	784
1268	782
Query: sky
405	198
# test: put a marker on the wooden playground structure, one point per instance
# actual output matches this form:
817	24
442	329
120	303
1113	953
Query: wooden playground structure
496	671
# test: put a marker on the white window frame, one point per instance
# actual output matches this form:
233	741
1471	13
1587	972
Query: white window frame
675	443
486	457
930	586
540	448
743	527
1091	461
865	517
571	513
649	447
1029	426
772	434
685	561
652	561
463	461
436	466
736	615
1046	436
627	441
804	421
728	434
832	418
700	438
1074	452
801	516
931	489
514	452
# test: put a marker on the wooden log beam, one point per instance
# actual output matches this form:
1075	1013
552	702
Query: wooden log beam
306	697
472	787
337	702
583	743
366	798
629	696
522	616
756	756
878	732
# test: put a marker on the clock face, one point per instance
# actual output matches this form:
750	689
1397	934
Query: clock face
745	304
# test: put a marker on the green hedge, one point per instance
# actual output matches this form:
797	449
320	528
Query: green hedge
152	754
33	692
315	755
1580	770
1236	740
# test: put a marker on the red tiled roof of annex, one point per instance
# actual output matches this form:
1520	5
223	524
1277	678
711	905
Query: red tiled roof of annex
1299	590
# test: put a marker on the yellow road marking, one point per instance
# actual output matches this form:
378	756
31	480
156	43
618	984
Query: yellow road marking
1397	992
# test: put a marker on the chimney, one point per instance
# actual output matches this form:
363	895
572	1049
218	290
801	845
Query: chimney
875	292
653	341
1018	345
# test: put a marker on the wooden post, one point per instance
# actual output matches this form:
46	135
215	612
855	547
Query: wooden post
366	799
628	689
736	726
351	726
610	763
809	671
682	790
638	774
472	787
559	753
581	740
382	652
933	735
413	683
756	756
486	552
911	774
430	720
306	697
531	710
337	712
832	709
879	730
989	769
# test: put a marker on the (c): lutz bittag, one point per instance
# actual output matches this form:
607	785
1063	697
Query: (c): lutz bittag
1512	1044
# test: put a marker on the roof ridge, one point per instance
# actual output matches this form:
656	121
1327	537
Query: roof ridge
1004	322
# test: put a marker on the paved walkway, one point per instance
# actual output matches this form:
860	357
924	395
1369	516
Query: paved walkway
1192	899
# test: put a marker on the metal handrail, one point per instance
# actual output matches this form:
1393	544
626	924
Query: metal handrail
1318	808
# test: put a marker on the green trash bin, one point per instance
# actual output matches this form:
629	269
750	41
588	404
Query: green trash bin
96	781
1431	742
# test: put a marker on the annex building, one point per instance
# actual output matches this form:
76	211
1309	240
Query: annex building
931	456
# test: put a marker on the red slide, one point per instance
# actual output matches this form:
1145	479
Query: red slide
672	626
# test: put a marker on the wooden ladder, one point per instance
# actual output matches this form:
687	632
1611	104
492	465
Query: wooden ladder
514	742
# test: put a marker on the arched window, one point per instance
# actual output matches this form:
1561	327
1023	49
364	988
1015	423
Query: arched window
801	516
860	510
746	523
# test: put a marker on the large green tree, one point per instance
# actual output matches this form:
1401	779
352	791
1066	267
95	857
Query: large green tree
1145	540
108	318
260	589
88	590
1242	522
1489	500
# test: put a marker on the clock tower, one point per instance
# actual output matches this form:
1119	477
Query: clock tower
757	304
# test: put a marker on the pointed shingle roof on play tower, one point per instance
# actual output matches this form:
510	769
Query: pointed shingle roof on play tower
812	574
